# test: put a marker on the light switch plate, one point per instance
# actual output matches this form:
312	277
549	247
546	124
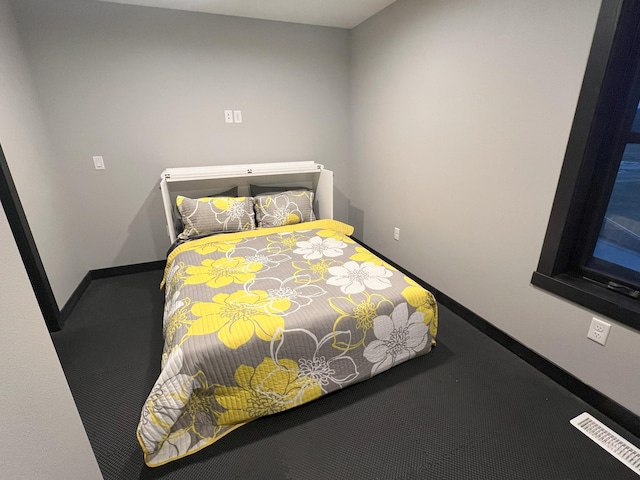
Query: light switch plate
98	162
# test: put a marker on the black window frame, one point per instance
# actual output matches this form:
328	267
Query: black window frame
591	164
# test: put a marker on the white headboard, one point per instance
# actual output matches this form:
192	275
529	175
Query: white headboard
198	180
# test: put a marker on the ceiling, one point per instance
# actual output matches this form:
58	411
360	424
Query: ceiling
331	13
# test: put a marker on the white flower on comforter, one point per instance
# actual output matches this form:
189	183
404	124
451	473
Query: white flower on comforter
399	338
265	256
171	307
172	271
164	405
354	277
324	367
317	247
298	290
177	399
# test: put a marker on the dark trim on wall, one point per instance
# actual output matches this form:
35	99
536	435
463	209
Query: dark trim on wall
589	294
127	269
616	412
105	273
27	247
74	298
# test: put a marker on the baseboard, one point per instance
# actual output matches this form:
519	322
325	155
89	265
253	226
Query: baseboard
616	412
104	273
127	269
73	299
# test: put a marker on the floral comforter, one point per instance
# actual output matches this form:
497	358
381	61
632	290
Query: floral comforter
262	321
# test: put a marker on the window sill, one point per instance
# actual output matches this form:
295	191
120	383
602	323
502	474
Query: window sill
592	296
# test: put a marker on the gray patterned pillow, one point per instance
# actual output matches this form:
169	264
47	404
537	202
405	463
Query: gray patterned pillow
177	222
284	208
215	215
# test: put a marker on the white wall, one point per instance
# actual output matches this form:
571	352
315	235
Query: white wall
42	434
146	89
26	143
461	113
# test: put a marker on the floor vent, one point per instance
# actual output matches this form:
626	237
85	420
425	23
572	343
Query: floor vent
609	440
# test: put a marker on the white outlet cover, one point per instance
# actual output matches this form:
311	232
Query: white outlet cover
599	331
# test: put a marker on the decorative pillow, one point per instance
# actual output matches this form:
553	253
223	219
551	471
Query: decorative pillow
215	215
178	226
284	208
271	189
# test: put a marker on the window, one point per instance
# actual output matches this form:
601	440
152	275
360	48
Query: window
616	252
591	252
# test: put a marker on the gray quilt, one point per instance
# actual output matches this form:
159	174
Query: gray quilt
262	321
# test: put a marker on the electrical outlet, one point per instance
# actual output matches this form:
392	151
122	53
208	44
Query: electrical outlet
598	331
396	234
228	116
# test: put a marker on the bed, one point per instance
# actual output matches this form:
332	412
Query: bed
264	319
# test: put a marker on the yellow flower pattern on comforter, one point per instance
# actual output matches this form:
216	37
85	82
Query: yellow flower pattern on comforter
262	321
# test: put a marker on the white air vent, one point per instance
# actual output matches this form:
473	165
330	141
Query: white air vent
609	440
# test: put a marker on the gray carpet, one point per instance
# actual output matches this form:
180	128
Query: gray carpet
470	409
